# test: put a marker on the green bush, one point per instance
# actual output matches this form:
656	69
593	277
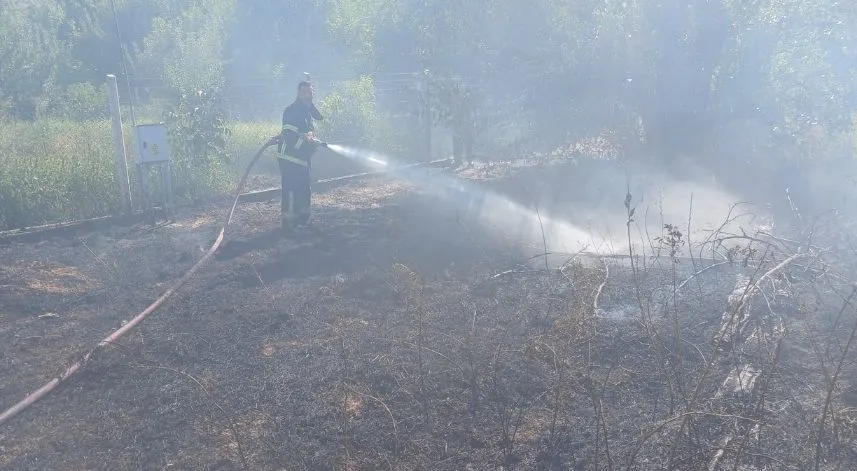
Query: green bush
352	117
78	102
198	135
350	114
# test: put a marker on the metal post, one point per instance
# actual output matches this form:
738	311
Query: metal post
122	177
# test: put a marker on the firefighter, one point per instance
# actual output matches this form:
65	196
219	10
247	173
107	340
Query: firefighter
296	146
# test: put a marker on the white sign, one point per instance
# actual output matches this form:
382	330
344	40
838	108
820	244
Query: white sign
153	144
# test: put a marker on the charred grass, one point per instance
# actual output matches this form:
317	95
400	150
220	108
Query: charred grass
398	358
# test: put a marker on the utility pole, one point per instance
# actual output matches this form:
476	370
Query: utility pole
122	177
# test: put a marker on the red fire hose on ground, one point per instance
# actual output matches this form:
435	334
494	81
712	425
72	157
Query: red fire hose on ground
34	396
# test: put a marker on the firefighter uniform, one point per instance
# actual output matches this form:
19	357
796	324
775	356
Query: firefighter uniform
295	153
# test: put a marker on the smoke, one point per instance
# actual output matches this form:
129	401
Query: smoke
600	220
485	207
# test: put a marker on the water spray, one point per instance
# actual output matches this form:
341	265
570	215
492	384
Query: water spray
488	208
372	158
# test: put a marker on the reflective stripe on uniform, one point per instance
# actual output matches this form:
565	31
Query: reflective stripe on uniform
300	140
293	159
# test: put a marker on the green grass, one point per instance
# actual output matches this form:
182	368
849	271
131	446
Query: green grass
246	139
56	171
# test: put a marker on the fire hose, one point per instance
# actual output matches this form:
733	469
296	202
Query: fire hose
34	396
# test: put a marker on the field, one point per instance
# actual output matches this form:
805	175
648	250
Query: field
55	170
423	330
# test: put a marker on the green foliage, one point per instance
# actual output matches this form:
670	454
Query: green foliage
351	115
198	134
79	101
29	54
354	24
187	49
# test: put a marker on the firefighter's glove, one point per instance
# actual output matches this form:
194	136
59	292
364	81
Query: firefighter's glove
273	140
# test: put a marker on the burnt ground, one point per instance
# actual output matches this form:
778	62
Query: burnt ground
405	336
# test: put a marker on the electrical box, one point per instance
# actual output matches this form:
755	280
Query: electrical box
153	144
